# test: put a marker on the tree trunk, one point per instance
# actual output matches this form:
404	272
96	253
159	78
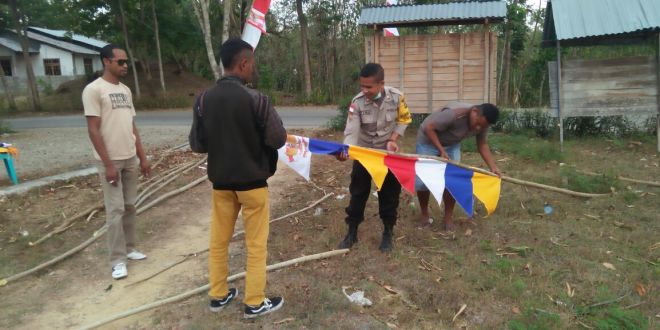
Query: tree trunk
506	74
9	95
128	50
160	58
35	103
244	12
226	25
201	8
144	65
541	90
305	48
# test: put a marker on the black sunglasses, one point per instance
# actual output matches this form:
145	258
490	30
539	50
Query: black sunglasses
121	62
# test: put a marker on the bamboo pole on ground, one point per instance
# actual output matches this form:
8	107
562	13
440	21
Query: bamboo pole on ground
236	234
204	288
650	183
96	235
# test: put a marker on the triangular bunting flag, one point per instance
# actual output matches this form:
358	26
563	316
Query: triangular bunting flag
403	169
432	173
459	183
372	160
296	154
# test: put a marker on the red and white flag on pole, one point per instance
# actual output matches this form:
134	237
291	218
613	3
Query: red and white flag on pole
256	22
391	32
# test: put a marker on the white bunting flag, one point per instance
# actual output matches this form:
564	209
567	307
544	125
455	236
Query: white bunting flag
432	173
295	153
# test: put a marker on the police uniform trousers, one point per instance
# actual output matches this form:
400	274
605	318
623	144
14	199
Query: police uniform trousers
360	188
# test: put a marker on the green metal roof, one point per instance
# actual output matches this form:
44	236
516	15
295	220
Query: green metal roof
441	13
578	19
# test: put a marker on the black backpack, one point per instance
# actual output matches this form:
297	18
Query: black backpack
197	136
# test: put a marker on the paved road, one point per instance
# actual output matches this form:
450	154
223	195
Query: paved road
293	117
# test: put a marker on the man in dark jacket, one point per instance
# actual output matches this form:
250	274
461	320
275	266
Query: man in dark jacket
241	131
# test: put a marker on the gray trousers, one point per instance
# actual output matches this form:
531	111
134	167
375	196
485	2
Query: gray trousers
120	208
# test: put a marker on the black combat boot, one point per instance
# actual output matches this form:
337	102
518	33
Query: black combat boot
386	243
351	237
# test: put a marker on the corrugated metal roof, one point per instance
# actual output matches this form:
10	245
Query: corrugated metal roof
10	40
571	19
454	11
62	34
61	44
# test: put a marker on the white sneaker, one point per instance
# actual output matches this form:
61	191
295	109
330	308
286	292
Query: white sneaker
135	255
119	271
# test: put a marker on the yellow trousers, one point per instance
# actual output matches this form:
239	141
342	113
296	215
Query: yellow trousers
256	214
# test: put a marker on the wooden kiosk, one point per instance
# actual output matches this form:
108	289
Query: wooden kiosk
434	69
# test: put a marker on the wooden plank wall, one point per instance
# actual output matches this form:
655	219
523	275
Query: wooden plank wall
608	87
452	64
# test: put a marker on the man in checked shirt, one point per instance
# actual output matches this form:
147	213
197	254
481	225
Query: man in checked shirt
377	117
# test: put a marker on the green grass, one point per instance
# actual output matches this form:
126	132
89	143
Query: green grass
534	319
576	181
522	145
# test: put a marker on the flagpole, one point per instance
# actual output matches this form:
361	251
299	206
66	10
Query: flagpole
503	177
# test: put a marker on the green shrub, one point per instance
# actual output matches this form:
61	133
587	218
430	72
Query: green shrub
46	87
4	127
524	122
338	122
164	102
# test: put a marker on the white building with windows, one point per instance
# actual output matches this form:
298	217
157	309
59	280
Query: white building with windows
56	55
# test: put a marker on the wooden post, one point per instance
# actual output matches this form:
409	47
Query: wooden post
402	54
559	112
486	61
461	56
376	44
429	73
368	48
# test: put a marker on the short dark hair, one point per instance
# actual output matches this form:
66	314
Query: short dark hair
373	70
107	51
490	111
230	51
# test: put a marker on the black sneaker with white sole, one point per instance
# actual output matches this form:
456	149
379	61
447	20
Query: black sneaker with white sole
217	305
269	305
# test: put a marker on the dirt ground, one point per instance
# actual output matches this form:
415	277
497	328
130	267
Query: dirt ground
515	269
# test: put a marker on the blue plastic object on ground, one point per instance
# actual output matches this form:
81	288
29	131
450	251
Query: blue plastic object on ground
9	165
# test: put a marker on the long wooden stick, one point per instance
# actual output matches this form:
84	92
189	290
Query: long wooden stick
503	177
96	235
150	190
66	224
236	234
172	193
71	252
622	178
204	288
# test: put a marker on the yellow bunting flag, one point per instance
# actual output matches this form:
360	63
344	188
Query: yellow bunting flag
372	160
487	189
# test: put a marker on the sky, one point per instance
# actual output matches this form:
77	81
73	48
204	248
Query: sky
535	3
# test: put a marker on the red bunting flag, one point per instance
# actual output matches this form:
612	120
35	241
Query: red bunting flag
403	169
